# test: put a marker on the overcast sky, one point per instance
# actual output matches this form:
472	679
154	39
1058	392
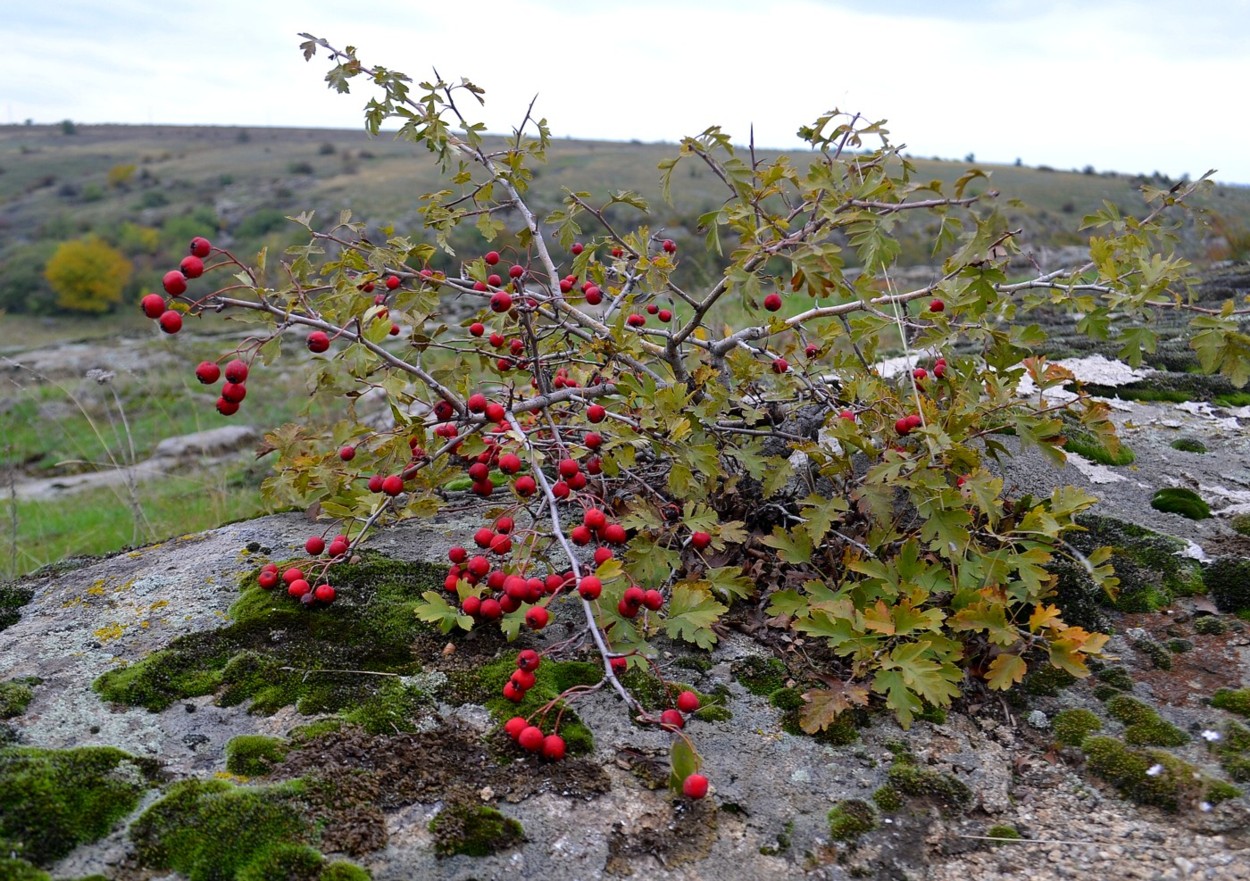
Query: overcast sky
1128	85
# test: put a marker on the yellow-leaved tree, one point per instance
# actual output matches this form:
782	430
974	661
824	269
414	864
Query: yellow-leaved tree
87	274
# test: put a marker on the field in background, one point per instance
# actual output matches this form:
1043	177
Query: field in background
147	190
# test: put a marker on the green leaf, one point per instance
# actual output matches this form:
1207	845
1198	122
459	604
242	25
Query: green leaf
791	547
933	680
436	610
730	583
684	761
691	613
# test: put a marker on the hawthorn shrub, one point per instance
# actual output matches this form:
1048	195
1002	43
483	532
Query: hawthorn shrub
659	453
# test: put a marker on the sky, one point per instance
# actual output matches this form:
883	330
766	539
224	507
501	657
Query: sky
1123	85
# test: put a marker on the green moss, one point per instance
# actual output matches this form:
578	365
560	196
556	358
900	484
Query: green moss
888	799
951	795
20	870
1129	710
713	713
842	732
313	730
1189	445
1233	750
1116	677
1005	832
394	708
1234	701
1240	524
1073	726
693	662
1180	646
761	676
211	830
254	755
54	800
1181	500
14	696
289	862
1150	776
1160	657
340	870
786	699
1210	625
275	653
1228	582
1156	732
473	830
484	685
851	818
784	840
12	598
1090	446
933	714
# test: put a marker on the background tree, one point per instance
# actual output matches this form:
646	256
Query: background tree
88	275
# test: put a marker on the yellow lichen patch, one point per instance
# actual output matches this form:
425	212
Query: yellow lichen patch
109	632
159	604
231	778
96	589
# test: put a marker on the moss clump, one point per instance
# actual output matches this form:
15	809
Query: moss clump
289	862
275	653
1180	646
1129	710
1156	732
340	870
1240	524
211	830
851	818
1237	701
1093	447
1115	677
1181	500
12	598
1228	582
1008	833
693	662
1189	445
14	696
473	830
313	730
951	795
1160	657
786	699
1233	750
1210	625
20	870
54	800
713	713
1073	726
1046	681
254	755
888	799
1152	777
761	676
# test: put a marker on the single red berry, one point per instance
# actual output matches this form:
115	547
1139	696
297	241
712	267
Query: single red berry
375	483
227	408
170	321
700	540
457	554
524	678
298	588
491	258
576	249
602	555
315	545
594	440
318	341
511	690
902	425
652	308
479	566
525	486
500	302
477	328
191	266
694	786
560	490
625	610
292	575
590	587
568	467
687	702
939	369
268	579
670	247
207	372
393	485
497	340
636	320
496	579
338	547
634	596
780	365
811	350
233	392
653	600
617	252
528	659
614	534
580	535
443	410
537	618
472	606
596	413
482	538
553	747
936	306
593	295
531	739
516	271
476	403
595	519
501	545
914	420
392	282
665	315
236	371
619	665
672	719
505	525
200	247
174	282
325	593
920	374
153	306
509	463
772	302
347	453
495	412
491	609
848	415
514	726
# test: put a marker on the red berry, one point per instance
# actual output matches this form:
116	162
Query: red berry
625	610
491	258
318	341
914	420
207	372
672	719
191	266
491	610
568	467
495	412
472	606
602	555
338	547
200	247
939	369
596	413
267	579
653	600
595	519
457	554
497	340
590	587
236	371
516	271
619	665
780	365
617	252
811	350
553	747
936	306
580	535
227	408
700	540
636	320
531	739
170	321
665	315
494	281
233	392
670	247
579	480
325	593
593	296
479	566
920	374
576	249
292	575
347	453
514	726
634	596
298	588
525	486
594	440
504	525
772	302
315	545
511	690
902	425
687	702
479	471
477	328
560	489
476	403
153	306
694	786
524	678
509	463
528	659
501	544
848	415
614	534
174	282
443	410
393	485
483	537
537	618
392	282
375	483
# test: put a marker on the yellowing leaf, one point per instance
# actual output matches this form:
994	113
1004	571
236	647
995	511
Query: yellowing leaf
1005	671
1042	617
823	706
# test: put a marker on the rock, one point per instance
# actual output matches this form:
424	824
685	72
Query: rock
207	444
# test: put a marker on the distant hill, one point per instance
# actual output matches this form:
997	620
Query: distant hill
147	189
